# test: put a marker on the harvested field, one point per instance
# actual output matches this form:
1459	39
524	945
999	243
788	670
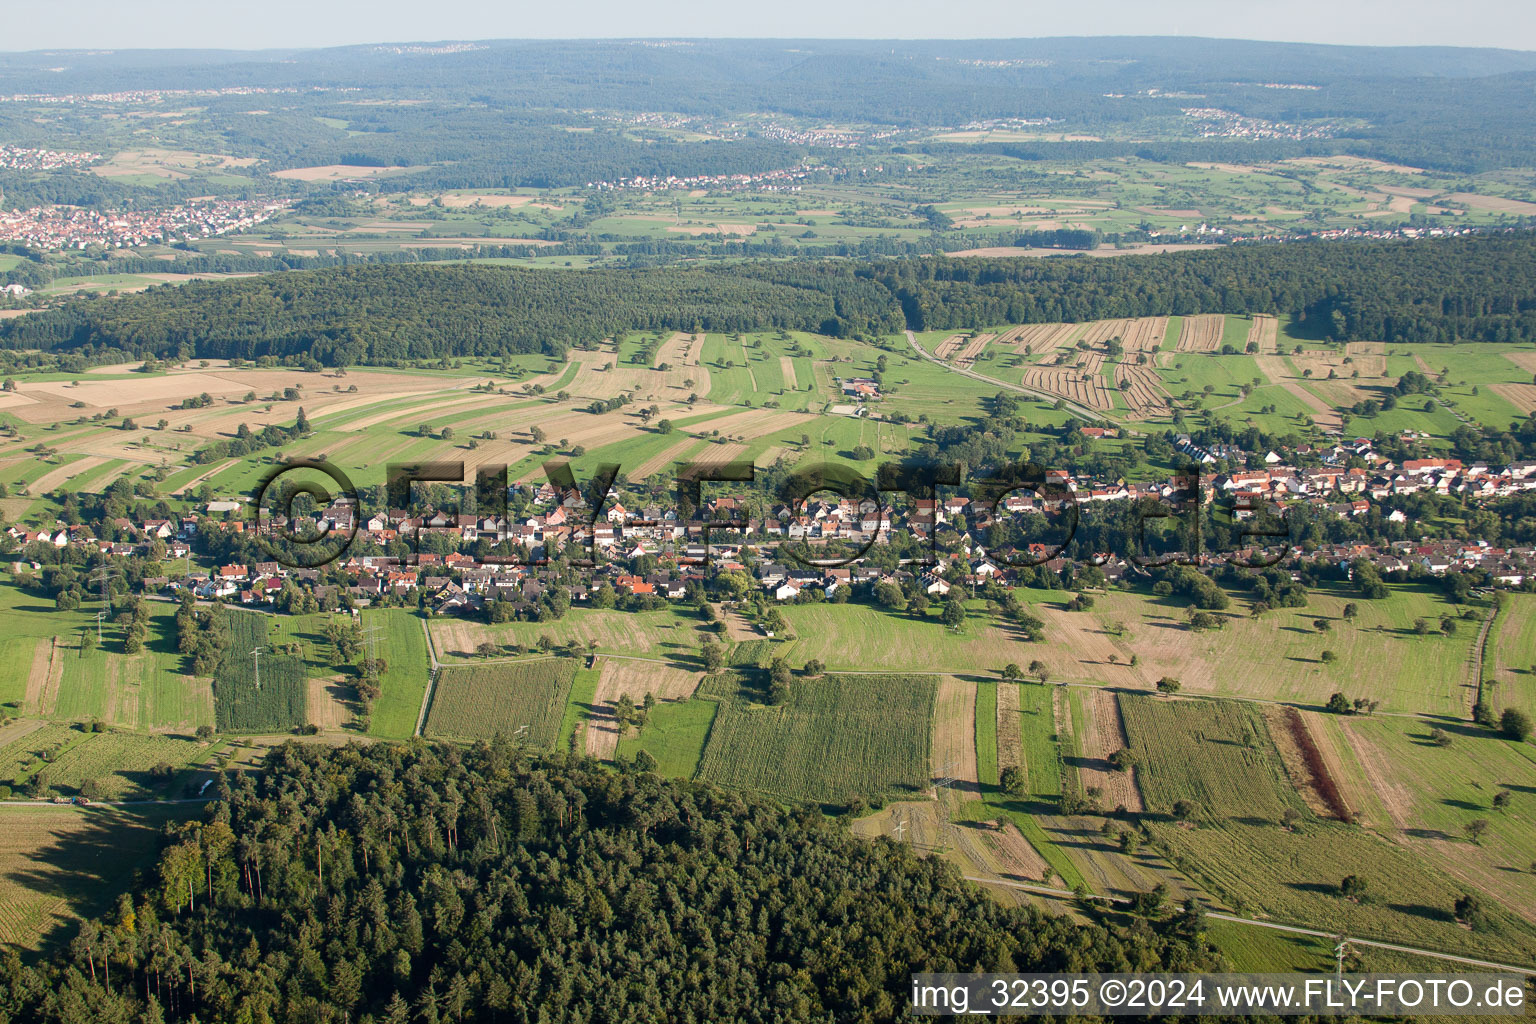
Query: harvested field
1497	204
1010	745
681	350
1103	734
1521	396
634	679
1304	763
1201	333
1264	332
1034	339
329	703
47	671
1525	360
1081	382
972	350
787	369
54	477
1143	390
663	459
954	732
949	346
1274	368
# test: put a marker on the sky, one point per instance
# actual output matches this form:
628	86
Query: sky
115	24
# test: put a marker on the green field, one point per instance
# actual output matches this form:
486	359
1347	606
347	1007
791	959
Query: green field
486	701
1219	756
838	737
403	685
675	734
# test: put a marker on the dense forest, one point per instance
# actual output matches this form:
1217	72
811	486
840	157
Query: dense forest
1438	290
384	313
394	883
1435	290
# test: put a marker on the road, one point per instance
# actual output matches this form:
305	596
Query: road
426	698
1045	890
1020	388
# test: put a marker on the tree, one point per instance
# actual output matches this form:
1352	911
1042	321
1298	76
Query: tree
1339	705
1014	781
1183	810
1439	737
1168	684
1123	759
714	656
1038	669
1469	910
1353	888
1475	829
954	614
814	667
485	649
1501	800
1351	610
1328	657
1012	673
1515	724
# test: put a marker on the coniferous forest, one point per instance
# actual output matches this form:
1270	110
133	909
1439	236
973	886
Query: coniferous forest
394	883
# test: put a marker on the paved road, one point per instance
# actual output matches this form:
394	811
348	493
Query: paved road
1046	890
1020	388
426	698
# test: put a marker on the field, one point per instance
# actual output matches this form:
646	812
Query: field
59	865
117	765
675	736
403	646
1219	756
634	679
1511	656
502	699
265	694
837	737
1431	792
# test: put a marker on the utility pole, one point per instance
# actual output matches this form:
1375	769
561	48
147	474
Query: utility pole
1338	953
256	665
99	616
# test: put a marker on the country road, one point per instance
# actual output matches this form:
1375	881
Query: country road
1045	890
1020	388
426	698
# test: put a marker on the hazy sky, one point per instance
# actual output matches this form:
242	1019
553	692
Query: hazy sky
281	23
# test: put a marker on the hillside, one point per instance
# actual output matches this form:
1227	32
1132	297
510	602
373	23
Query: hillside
447	883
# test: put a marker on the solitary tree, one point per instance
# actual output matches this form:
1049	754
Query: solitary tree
1168	684
1353	888
1011	672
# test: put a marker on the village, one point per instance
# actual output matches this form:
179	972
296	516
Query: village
650	552
67	227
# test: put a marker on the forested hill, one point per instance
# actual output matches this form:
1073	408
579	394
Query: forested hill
394	883
382	313
1470	288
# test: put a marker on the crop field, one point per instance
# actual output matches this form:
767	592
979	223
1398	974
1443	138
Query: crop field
500	699
266	694
59	865
668	633
403	647
119	764
1263	331
1201	333
1076	377
1219	756
837	737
